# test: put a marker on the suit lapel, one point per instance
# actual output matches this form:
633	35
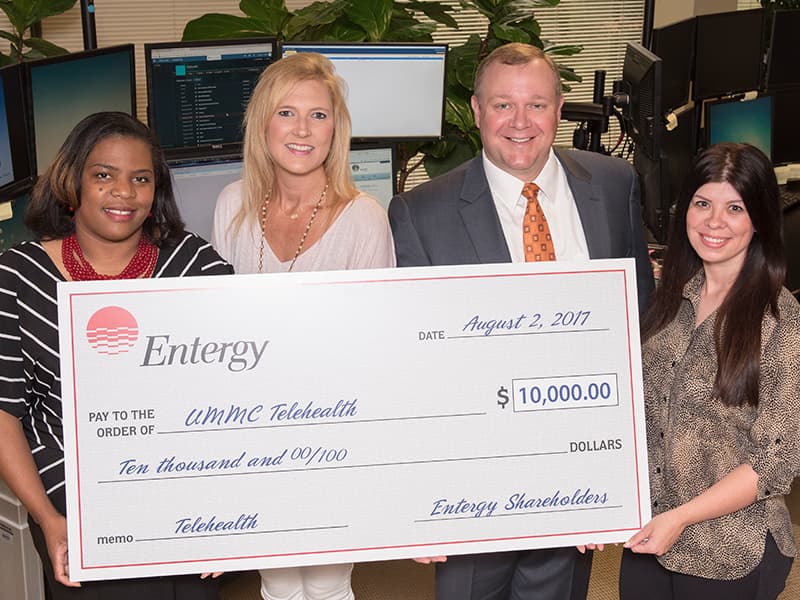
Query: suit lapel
591	208
479	215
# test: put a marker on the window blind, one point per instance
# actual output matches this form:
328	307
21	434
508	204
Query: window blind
601	26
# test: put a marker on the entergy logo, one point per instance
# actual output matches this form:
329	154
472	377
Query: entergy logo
112	330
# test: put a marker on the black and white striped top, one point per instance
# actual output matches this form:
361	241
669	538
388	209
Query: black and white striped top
30	383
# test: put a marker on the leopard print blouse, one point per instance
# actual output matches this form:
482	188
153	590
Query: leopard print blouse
694	440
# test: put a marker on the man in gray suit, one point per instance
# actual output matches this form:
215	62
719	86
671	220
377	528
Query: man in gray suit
476	214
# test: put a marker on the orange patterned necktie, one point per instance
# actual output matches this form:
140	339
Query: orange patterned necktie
536	237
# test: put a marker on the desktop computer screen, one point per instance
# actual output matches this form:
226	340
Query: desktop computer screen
786	127
12	222
641	78
197	185
6	164
197	93
15	166
741	121
395	91
373	171
784	53
728	53
674	45
65	89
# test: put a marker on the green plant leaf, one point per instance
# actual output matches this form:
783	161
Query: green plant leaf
435	11
44	47
343	32
514	11
311	17
373	16
46	8
404	27
568	73
15	16
272	14
417	32
462	61
458	112
563	49
486	7
510	33
532	27
5	60
459	153
9	36
214	26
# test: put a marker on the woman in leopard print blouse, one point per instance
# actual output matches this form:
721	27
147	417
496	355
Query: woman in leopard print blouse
721	360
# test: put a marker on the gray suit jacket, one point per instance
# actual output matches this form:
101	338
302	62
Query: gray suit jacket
452	220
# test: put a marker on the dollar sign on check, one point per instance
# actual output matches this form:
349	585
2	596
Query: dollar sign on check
502	396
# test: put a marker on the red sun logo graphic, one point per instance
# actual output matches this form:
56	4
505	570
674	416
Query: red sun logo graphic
112	330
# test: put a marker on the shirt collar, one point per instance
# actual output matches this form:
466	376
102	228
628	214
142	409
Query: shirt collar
508	188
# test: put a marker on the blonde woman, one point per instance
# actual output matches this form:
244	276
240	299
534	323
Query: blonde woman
296	209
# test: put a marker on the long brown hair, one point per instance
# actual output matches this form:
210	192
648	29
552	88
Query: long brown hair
737	331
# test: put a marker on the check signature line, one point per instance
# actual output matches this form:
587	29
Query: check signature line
334	467
306	424
517	514
216	535
491	335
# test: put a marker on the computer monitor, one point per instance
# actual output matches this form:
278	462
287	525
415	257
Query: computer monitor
373	171
395	91
786	127
744	121
728	53
197	93
12	221
196	187
15	164
65	89
783	70
674	45
641	78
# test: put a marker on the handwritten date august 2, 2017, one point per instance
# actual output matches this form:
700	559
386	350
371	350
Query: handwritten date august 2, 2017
523	322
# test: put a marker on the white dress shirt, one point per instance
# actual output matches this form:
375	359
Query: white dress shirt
558	204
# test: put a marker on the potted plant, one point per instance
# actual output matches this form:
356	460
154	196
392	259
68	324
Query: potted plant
22	15
385	20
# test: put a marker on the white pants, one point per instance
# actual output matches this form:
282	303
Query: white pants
324	582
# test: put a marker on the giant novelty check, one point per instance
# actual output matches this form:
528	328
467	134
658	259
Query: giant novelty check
227	423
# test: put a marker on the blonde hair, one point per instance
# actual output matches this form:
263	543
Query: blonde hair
274	84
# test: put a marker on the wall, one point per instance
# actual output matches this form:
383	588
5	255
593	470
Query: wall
671	11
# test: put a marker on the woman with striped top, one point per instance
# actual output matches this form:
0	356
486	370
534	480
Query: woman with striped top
103	210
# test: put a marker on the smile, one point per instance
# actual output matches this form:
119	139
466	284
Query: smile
713	240
519	140
300	147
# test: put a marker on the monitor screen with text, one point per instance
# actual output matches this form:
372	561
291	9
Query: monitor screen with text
394	91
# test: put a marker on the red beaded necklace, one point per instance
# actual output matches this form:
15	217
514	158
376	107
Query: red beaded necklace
142	264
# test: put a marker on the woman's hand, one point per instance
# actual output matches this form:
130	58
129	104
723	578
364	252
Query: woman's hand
213	575
582	549
658	536
426	560
55	535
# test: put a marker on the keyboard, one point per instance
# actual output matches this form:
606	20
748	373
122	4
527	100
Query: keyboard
789	198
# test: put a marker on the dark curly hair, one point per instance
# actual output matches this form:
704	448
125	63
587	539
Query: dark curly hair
57	193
